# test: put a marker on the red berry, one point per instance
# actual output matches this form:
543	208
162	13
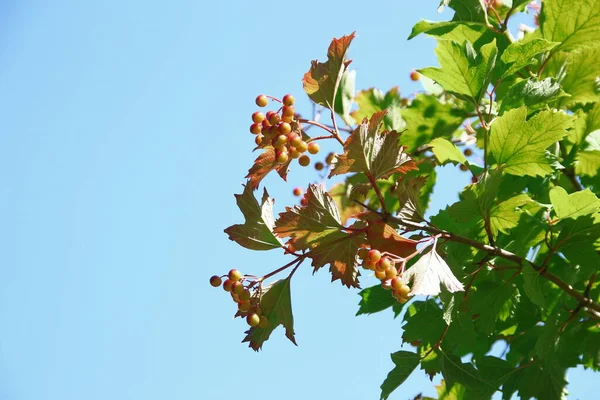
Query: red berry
237	287
287	111
282	157
255	128
258	117
288	100
274	119
415	76
304	202
319	166
284	128
386	262
374	255
258	139
304	160
235	275
380	274
227	285
313	148
297	192
262	100
215	281
244	306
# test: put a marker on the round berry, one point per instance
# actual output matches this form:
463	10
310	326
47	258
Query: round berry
304	160
274	119
258	117
227	285
253	320
215	281
391	272
282	157
294	153
313	147
284	128
296	141
264	322
297	192
463	167
244	306
256	128
414	76
235	275
374	255
397	283
288	100
302	146
237	287
402	300
262	100
468	152
380	274
258	139
288	111
319	166
244	295
386	262
330	158
304	201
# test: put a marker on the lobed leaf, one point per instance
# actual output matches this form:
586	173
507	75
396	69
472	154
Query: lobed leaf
573	23
276	305
405	363
257	231
428	273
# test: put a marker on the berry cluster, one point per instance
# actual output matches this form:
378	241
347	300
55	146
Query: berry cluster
386	271
281	130
248	304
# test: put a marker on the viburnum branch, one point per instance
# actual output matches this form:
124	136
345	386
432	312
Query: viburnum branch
439	342
336	132
377	192
585	301
297	260
576	310
315	123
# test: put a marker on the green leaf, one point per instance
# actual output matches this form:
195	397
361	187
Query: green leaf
373	100
506	214
468	10
257	231
463	71
443	28
578	73
532	285
345	96
531	93
588	163
477	199
428	118
405	363
574	23
520	145
408	191
492	301
373	152
375	299
446	151
276	304
464	374
424	322
322	80
519	55
575	204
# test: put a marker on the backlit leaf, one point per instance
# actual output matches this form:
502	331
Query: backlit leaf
373	152
428	273
405	363
257	232
573	23
276	304
321	82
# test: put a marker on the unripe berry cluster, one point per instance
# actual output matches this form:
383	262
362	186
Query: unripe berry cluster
280	130
386	271
248	304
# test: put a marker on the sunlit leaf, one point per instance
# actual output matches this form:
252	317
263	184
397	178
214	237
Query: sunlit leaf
429	273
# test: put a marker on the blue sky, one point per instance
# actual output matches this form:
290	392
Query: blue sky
123	136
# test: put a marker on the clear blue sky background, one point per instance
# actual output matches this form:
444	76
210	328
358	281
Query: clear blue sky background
123	136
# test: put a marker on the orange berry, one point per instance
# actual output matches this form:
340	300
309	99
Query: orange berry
414	76
304	160
215	281
313	147
288	100
262	100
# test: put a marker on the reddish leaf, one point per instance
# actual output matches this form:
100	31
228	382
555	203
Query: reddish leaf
264	164
317	227
385	238
373	152
322	79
